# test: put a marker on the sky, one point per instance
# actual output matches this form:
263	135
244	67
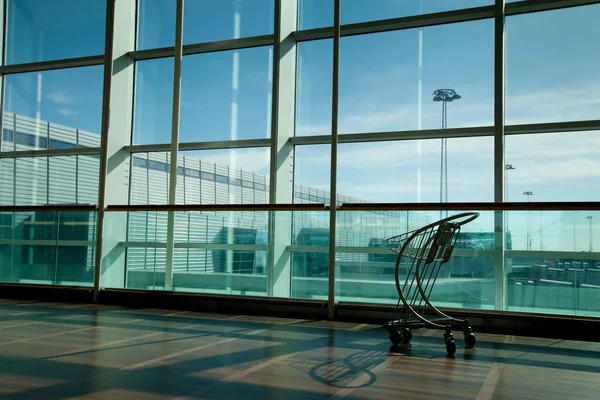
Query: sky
386	83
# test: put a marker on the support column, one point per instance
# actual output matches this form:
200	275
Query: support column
279	272
116	133
174	144
499	163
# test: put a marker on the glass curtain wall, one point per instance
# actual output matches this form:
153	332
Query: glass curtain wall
50	144
209	129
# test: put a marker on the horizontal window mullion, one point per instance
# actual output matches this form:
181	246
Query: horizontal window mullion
524	7
50	65
413	21
447	17
50	153
217	145
34	242
524	129
209	47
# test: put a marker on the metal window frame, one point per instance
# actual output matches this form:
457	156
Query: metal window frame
498	12
41	66
499	156
194	146
467	132
440	18
331	302
200	48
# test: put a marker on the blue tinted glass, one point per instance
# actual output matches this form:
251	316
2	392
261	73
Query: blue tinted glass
140	162
60	145
192	172
157	165
387	79
32	262
226	95
25	139
212	20
552	66
222	179
208	176
38	102
7	135
156	24
43	30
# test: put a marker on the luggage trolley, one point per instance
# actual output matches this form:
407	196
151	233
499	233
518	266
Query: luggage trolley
421	254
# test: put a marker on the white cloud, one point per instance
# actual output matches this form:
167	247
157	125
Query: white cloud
313	129
60	97
555	103
67	112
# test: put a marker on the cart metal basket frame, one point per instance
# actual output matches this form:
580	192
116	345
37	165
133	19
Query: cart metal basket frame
421	256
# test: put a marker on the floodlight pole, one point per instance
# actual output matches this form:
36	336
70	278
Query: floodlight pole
444	96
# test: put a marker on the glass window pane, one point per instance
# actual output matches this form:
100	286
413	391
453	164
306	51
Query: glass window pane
212	20
387	80
552	69
319	13
7	135
553	266
145	266
410	171
465	281
209	177
156	24
59	263
226	95
553	166
310	269
42	30
311	228
61	105
49	180
312	166
221	175
314	88
150	178
153	101
210	269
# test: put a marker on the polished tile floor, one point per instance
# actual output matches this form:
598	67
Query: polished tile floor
73	351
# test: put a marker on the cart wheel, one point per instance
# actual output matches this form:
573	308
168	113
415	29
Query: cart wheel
469	335
451	347
470	340
449	340
406	335
395	336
